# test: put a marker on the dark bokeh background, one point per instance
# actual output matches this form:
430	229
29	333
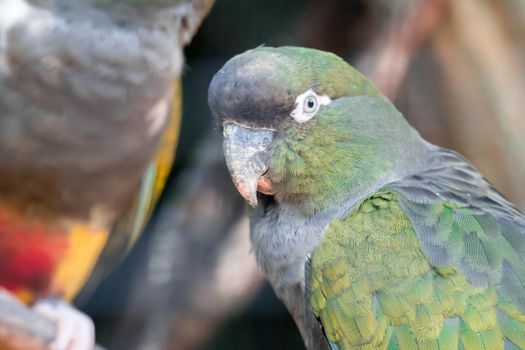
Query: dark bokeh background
454	68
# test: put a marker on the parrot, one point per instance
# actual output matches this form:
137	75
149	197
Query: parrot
89	120
371	236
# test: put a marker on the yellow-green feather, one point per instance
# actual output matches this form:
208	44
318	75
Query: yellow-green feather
372	286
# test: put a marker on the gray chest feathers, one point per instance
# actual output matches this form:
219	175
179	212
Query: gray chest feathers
283	240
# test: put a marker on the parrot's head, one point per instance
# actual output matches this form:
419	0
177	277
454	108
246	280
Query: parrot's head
303	126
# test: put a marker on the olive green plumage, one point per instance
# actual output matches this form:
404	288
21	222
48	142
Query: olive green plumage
373	288
371	236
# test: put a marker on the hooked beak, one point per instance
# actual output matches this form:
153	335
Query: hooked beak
246	152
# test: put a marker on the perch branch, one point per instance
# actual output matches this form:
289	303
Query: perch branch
388	60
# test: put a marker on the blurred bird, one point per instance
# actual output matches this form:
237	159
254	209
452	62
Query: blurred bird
372	237
89	119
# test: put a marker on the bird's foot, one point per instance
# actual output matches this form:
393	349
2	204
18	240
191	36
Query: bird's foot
75	330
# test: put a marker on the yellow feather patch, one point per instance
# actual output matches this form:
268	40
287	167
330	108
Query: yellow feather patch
84	246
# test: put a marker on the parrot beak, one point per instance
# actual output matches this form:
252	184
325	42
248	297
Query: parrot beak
246	152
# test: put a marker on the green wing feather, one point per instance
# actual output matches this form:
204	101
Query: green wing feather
421	265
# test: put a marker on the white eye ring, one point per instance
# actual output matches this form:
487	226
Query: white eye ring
307	105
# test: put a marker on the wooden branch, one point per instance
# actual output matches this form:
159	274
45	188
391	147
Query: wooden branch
411	23
230	285
485	76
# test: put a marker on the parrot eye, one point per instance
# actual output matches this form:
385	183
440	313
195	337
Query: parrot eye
307	104
310	104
